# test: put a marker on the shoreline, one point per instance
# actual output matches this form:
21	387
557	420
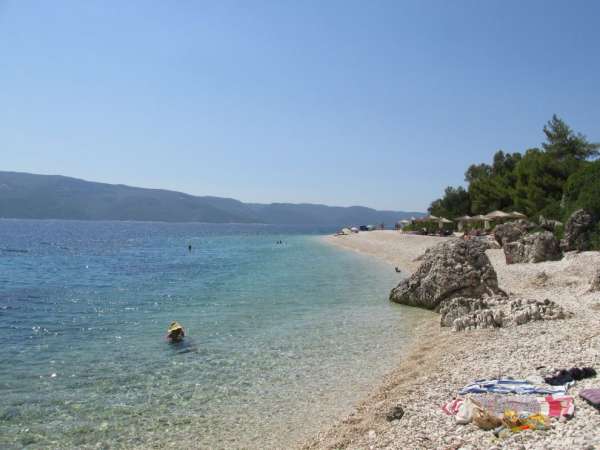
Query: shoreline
399	250
440	362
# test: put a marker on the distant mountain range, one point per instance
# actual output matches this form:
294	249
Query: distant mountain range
30	196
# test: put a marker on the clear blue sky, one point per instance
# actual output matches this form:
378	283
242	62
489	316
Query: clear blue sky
379	103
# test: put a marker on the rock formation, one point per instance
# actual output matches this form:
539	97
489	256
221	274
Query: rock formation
505	233
549	224
577	231
535	247
459	307
454	268
495	312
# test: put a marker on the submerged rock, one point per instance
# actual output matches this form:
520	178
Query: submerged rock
577	231
533	248
454	268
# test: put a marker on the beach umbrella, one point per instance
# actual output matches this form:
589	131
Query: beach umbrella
497	215
429	218
463	218
518	215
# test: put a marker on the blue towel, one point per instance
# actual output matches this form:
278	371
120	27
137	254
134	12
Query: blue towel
510	386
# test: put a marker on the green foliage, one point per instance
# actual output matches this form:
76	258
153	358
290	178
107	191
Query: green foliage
492	187
595	238
563	144
477	171
540	180
551	181
559	232
430	227
582	190
454	203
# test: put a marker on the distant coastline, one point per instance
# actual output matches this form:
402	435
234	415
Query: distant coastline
31	196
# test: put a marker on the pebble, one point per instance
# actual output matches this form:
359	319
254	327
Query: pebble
445	361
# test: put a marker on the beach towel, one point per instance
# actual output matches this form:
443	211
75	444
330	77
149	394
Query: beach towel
551	405
510	386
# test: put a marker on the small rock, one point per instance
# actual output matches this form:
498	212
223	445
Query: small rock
395	413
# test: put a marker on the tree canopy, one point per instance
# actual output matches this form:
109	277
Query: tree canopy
454	203
582	190
549	180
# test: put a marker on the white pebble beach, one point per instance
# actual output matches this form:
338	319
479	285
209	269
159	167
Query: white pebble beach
441	361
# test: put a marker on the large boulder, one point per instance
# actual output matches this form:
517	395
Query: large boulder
454	268
535	247
577	231
505	233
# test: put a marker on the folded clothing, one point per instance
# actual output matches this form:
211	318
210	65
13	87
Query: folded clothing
510	386
563	376
592	396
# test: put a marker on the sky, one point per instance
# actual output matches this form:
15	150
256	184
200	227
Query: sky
374	103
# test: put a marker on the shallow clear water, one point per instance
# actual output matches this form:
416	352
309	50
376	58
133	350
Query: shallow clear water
282	339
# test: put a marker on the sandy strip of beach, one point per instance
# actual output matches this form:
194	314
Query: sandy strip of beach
400	250
440	361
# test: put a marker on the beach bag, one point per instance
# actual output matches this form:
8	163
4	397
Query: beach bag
464	414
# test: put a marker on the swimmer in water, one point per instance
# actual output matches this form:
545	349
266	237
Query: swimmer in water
175	332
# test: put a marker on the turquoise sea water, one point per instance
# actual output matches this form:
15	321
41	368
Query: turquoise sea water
282	339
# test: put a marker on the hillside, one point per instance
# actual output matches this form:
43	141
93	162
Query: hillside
30	196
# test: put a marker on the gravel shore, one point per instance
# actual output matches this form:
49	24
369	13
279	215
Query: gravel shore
441	361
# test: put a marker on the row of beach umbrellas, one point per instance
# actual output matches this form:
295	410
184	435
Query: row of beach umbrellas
495	215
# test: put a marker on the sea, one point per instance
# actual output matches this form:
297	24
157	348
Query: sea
284	334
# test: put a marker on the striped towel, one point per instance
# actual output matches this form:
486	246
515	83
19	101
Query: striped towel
510	386
551	405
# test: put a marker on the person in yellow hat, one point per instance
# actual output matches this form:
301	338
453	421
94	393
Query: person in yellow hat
175	332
